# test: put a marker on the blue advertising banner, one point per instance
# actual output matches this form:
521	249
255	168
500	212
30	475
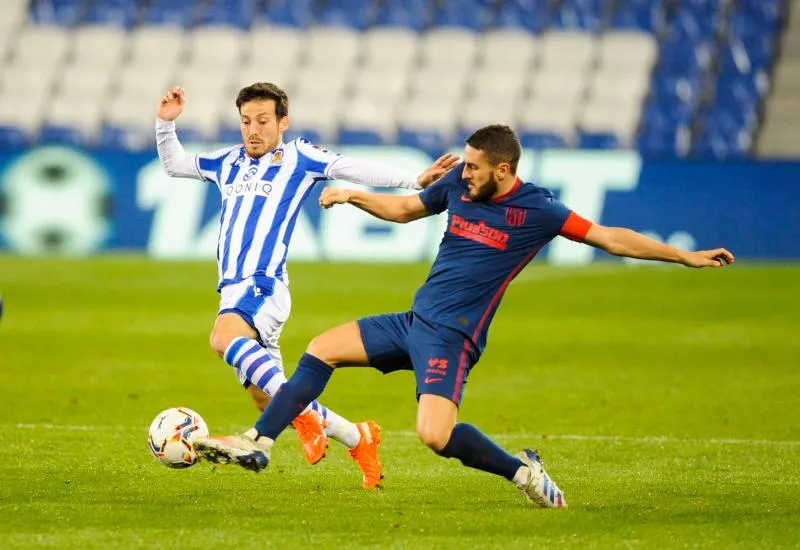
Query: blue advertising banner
61	200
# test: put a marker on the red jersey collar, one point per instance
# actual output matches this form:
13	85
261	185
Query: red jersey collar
514	189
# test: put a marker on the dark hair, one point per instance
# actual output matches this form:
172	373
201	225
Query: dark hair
500	144
264	91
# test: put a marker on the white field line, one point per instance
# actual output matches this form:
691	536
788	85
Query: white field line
617	439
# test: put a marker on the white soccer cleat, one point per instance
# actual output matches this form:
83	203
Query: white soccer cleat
539	488
233	449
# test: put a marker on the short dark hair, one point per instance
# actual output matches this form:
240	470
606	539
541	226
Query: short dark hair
264	91
500	144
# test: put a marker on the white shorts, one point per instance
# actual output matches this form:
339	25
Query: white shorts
265	304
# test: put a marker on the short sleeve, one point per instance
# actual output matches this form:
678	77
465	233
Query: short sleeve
560	220
210	164
317	160
434	197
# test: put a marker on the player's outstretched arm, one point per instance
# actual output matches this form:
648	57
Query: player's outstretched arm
393	208
174	159
373	174
620	241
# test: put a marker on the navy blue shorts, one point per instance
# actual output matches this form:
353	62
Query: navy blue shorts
440	357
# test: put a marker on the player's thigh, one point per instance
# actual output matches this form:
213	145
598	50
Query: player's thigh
340	346
256	308
385	341
442	359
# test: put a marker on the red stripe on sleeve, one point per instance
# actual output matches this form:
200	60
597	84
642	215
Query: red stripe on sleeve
575	228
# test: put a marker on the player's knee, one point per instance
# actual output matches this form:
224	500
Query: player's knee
323	349
434	437
219	342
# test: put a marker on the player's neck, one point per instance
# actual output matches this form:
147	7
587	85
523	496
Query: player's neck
506	187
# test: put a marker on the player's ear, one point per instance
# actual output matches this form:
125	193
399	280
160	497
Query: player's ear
283	124
503	170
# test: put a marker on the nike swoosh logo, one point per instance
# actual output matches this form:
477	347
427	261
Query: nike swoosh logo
466	198
431	380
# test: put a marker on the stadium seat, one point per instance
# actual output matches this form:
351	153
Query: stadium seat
387	87
156	46
356	14
427	121
451	50
120	13
389	47
639	15
508	50
331	49
548	116
316	112
29	48
584	15
98	46
567	51
481	111
211	47
627	52
289	13
437	85
64	13
84	114
415	15
370	115
468	14
239	14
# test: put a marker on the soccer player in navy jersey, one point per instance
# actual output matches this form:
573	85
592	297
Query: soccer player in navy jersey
496	225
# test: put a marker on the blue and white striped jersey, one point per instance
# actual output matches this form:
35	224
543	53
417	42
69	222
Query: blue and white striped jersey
261	199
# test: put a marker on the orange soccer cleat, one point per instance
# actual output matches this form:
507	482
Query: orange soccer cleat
366	454
310	427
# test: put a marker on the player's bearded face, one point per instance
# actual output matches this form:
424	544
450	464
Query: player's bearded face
262	131
482	191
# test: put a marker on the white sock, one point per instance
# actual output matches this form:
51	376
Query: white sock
521	477
263	442
338	428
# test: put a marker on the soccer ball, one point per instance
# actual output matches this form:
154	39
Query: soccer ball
171	435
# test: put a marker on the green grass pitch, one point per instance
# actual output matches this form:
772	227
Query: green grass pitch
664	401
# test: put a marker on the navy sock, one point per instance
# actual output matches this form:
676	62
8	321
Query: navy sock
305	385
474	449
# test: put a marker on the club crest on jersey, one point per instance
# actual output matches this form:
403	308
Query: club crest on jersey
277	157
515	216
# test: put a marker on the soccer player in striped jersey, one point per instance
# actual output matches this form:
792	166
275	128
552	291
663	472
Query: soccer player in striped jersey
496	225
263	183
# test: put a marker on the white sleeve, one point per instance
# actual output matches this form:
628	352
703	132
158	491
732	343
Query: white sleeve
369	173
175	160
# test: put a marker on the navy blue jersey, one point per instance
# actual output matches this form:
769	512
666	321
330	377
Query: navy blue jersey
485	246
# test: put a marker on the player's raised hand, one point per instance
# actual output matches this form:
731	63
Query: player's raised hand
439	168
171	105
333	195
717	257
